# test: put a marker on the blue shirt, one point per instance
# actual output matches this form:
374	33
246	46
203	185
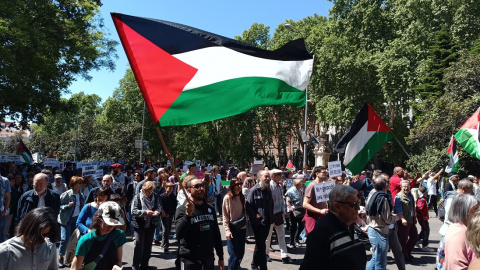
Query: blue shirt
4	189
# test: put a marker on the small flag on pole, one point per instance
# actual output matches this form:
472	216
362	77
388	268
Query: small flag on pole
452	165
23	151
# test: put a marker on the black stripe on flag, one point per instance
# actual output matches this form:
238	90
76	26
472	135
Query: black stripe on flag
358	123
176	38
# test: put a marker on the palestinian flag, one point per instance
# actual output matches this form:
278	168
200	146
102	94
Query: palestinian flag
452	165
290	166
182	71
363	139
467	136
23	151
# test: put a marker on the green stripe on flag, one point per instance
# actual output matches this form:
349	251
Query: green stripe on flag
468	142
194	106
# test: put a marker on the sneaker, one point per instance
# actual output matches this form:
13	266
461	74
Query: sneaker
269	259
418	243
287	260
60	263
291	246
427	249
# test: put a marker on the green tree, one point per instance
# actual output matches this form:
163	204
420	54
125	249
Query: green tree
44	46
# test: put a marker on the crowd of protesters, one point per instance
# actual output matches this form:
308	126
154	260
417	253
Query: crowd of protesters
90	219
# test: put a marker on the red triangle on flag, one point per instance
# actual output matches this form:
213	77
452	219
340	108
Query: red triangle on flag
375	123
160	76
289	165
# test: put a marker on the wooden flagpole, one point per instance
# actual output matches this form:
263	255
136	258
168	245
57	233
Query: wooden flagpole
172	162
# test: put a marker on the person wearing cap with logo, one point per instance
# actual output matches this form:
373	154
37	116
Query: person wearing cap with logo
197	231
58	185
101	248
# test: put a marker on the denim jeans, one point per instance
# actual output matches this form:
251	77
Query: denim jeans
379	242
66	231
236	248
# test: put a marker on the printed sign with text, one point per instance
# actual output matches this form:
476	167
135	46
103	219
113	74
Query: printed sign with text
322	190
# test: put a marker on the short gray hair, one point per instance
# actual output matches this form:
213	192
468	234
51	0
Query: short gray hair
379	183
460	208
338	194
465	183
404	182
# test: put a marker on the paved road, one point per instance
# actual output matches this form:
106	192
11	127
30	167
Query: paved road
424	260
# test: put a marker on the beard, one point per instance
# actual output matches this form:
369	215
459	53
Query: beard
264	185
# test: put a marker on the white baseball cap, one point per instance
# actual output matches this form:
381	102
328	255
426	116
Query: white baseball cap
111	214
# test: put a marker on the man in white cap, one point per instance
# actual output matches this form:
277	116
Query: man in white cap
278	214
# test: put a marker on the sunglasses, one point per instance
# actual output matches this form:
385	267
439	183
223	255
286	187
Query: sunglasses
198	186
351	204
239	184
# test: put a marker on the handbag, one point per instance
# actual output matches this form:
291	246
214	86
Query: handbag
299	213
239	223
91	265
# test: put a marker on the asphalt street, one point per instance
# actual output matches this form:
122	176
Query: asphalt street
423	260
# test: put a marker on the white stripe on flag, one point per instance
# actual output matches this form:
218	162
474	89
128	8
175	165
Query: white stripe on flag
216	64
357	143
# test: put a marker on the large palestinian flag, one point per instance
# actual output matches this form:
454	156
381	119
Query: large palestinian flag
190	76
23	151
452	165
363	139
467	136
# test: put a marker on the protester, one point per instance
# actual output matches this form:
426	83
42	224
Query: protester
331	245
294	200
234	223
169	205
119	180
379	216
432	183
197	230
146	208
405	209
5	196
106	183
71	202
85	218
118	199
16	192
259	208
463	187
247	185
101	248
209	190
456	250
149	175
473	238
58	186
314	210
33	247
38	197
422	218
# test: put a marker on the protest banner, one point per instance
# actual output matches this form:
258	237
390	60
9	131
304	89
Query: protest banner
84	164
256	166
89	170
334	168
50	162
322	190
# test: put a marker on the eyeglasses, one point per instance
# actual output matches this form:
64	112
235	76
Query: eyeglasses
351	204
198	186
239	184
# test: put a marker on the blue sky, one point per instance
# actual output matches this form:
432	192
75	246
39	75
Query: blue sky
227	18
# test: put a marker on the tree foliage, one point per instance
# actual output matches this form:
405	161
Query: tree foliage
44	45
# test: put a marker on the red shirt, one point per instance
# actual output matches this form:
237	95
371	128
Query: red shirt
395	186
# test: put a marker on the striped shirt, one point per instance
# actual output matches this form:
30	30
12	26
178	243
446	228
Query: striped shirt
277	194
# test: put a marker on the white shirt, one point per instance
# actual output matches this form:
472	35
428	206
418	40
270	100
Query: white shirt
41	199
431	186
76	212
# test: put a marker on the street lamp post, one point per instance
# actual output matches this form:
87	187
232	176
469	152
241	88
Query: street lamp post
291	27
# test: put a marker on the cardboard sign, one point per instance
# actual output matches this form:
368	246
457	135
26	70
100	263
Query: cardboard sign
334	169
84	164
89	170
322	190
51	162
257	166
